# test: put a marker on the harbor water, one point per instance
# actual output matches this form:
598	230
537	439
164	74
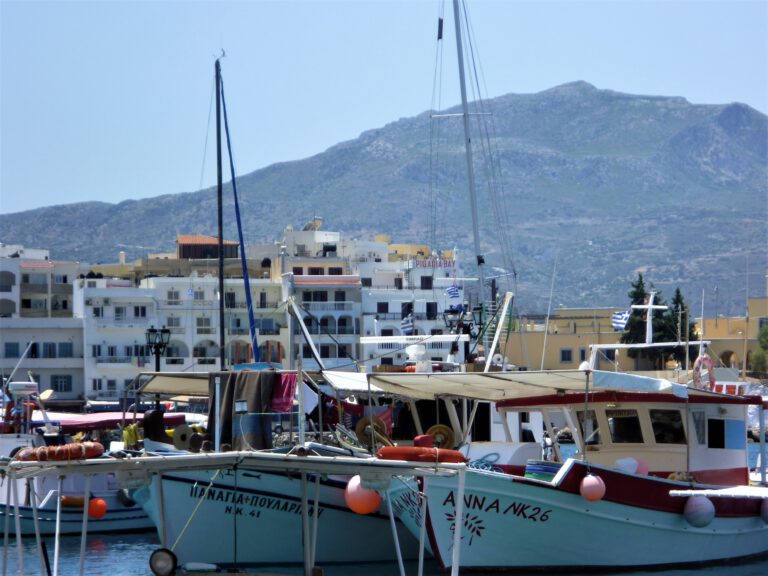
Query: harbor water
128	555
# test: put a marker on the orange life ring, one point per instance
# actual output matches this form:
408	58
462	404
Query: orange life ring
704	361
421	454
74	451
72	501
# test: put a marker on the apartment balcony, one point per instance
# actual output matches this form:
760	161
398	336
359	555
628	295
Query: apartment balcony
112	360
328	306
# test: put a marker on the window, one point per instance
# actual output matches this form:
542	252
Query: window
335	271
96	350
431	310
589	427
426	282
119	313
726	433
98	312
128	350
139	311
366	282
382	307
387	332
262	300
315	271
298	270
198	295
582	354
111	385
173	322
49	350
610	354
112	351
326	351
173	297
624	426
11	349
339	296
66	350
306	351
59	278
667	426
399	283
319	296
96	384
91	284
566	356
61	382
34	279
203	322
229	299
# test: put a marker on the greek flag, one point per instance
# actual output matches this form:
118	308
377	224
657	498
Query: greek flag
406	324
452	291
619	320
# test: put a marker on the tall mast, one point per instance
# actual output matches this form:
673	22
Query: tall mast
468	147
219	189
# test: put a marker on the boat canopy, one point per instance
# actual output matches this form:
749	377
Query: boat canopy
497	386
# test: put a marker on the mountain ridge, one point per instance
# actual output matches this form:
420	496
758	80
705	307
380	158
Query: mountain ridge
619	183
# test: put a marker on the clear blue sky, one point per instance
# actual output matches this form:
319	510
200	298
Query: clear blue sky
109	100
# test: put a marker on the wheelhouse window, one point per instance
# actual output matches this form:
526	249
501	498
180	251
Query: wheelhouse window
566	356
667	426
590	429
624	426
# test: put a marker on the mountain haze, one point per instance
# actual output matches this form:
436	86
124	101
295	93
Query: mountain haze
605	184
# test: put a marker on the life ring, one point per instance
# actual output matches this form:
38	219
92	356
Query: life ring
72	501
704	361
421	454
73	451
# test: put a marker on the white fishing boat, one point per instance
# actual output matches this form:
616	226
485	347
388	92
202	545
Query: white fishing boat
660	477
108	505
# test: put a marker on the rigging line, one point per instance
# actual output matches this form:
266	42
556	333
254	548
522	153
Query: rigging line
243	262
487	126
207	133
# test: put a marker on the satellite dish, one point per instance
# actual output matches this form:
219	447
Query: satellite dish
182	436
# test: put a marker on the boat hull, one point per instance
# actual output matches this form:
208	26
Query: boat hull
256	519
518	523
118	518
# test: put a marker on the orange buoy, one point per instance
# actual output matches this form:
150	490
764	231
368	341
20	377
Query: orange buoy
97	508
592	488
359	499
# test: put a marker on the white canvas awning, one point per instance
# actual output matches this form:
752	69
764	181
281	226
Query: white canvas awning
496	386
173	383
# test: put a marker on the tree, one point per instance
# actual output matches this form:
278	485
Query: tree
666	326
677	327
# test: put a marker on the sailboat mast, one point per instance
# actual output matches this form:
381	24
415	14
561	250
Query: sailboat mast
468	149
219	190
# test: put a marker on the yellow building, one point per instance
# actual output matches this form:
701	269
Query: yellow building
735	338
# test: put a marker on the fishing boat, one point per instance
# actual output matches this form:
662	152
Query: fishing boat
659	466
34	502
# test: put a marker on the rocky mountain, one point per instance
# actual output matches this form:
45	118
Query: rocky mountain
594	185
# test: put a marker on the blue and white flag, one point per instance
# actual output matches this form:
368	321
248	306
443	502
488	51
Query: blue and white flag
619	320
406	324
452	291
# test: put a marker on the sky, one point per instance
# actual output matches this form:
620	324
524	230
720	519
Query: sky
109	100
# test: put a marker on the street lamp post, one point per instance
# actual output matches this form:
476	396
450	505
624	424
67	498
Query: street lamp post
157	341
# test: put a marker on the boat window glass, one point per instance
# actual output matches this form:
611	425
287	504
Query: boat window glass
667	426
589	427
624	426
699	423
